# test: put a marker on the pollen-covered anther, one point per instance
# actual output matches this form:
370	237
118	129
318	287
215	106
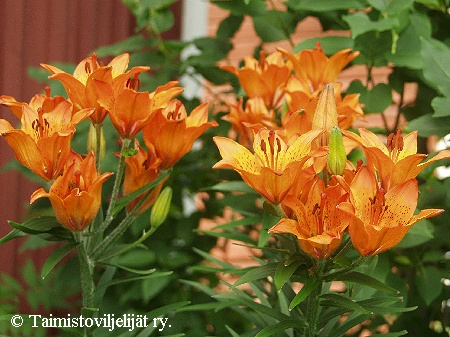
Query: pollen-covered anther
176	113
134	82
47	91
395	144
77	175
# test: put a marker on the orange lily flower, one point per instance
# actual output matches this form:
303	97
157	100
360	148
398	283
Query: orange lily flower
380	218
265	78
314	69
141	169
130	111
76	195
43	142
38	101
255	112
274	167
318	224
398	160
79	86
171	132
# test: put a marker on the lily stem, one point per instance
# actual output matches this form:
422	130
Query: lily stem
86	277
312	311
116	188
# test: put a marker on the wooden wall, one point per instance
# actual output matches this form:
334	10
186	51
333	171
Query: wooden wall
44	31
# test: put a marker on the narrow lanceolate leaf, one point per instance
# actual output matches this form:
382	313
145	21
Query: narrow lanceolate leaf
257	273
366	280
14	234
307	289
36	225
279	327
335	300
55	257
283	272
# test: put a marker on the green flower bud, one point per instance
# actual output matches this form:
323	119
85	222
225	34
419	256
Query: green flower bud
92	141
337	157
161	207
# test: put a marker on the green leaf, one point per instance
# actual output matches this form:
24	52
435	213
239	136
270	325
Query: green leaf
360	23
324	5
335	300
229	26
231	186
420	233
131	279
377	99
441	106
14	234
36	225
329	44
239	7
307	289
279	327
366	280
391	6
436	56
257	273
428	283
131	270
408	47
429	126
55	257
122	202
132	44
349	323
284	272
162	20
274	26
391	334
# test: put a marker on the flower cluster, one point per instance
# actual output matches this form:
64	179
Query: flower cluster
292	120
95	91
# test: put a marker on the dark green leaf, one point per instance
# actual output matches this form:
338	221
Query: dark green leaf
335	300
257	273
367	280
391	6
324	5
407	51
229	26
239	7
349	323
330	44
429	284
429	126
36	225
307	289
284	272
131	270
375	100
420	233
162	20
436	70
441	106
231	186
279	327
55	257
391	334
131	44
14	234
131	279
360	23
274	26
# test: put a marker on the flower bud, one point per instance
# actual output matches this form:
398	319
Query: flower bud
325	116
161	207
337	157
92	141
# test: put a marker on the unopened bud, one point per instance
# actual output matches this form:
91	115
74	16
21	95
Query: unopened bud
325	116
337	158
92	141
161	207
